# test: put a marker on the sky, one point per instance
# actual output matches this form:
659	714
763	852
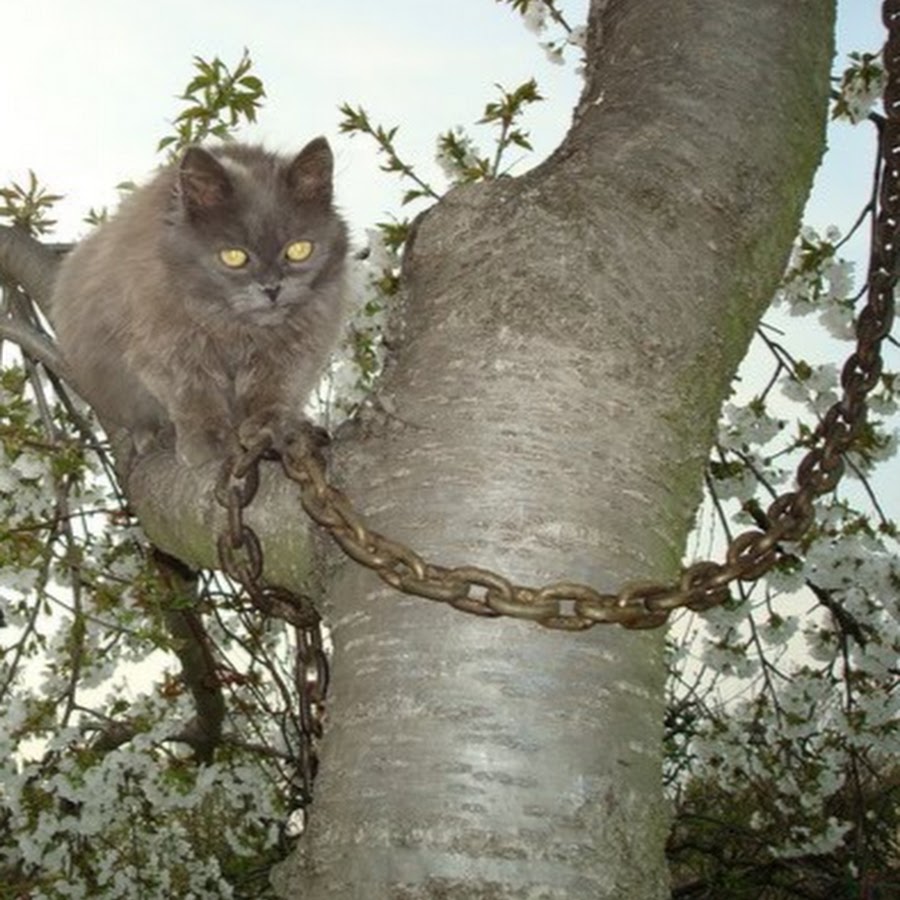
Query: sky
88	88
91	85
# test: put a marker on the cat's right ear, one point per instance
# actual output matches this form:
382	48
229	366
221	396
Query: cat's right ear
203	183
311	172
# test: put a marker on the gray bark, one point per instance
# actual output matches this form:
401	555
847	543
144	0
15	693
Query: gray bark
32	265
568	338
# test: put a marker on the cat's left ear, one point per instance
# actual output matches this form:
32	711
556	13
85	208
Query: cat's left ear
310	174
203	182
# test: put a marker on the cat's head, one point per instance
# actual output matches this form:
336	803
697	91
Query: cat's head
252	234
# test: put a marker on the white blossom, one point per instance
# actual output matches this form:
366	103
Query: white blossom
744	426
535	16
578	37
786	579
861	88
840	275
778	630
379	258
838	321
882	403
553	52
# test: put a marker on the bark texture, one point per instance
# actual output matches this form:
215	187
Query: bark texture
567	341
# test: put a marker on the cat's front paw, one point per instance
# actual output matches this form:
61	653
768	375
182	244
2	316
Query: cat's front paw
262	429
279	431
146	439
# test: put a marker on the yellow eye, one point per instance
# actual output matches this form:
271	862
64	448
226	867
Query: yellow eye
298	251
234	257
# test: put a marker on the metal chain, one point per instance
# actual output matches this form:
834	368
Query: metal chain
565	605
562	605
241	558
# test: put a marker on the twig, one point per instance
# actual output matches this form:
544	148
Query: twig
29	263
34	344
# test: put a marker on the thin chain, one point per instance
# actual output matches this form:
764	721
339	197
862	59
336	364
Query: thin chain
241	557
565	605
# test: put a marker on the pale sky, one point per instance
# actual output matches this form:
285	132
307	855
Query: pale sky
87	87
91	85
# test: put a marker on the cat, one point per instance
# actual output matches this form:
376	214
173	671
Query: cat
204	310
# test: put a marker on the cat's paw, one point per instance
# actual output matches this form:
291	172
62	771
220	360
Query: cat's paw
264	428
147	439
279	431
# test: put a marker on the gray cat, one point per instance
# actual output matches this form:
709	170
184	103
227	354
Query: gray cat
210	302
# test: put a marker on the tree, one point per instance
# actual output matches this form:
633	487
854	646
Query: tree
567	340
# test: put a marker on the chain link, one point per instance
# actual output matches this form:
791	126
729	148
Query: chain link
563	605
241	558
704	584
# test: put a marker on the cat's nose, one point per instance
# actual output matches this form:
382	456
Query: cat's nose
272	291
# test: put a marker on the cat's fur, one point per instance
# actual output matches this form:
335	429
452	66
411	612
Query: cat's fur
159	333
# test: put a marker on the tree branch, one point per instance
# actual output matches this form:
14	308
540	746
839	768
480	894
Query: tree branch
29	263
34	344
198	666
178	511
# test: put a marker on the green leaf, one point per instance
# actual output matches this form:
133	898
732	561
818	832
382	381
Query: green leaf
252	82
219	101
518	138
413	194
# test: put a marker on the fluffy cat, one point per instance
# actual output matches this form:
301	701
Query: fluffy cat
205	309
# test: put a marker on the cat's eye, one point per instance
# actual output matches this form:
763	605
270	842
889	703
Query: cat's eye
234	257
297	251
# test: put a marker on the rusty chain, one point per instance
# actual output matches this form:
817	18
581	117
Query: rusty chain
241	558
571	606
567	605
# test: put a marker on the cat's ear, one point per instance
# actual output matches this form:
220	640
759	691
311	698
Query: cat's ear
310	174
203	183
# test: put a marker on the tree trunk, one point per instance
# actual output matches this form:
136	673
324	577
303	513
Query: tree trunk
568	338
